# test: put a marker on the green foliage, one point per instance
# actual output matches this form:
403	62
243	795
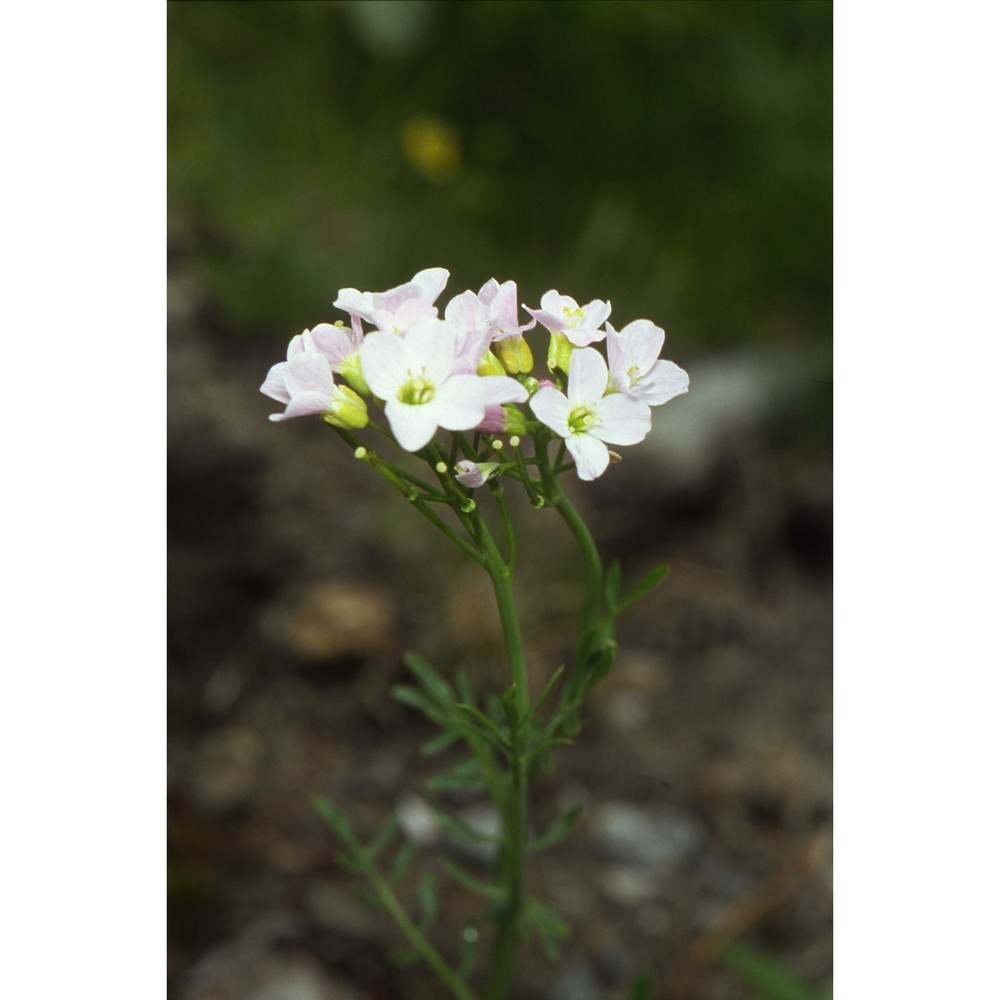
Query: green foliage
687	172
642	988
559	830
767	977
552	930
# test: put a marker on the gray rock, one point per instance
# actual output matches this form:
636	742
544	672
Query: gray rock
656	838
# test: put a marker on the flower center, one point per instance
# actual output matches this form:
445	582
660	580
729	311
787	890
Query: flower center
633	375
581	418
416	391
573	317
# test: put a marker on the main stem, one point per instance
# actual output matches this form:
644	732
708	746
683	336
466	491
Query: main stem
515	842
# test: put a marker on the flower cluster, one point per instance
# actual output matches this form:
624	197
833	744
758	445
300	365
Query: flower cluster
470	370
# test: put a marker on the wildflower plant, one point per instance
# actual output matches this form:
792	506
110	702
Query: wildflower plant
458	391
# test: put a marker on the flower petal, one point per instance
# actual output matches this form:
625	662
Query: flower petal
304	404
552	408
501	389
664	381
590	455
431	282
413	426
309	372
431	346
642	342
459	403
621	420
382	363
335	343
276	383
588	376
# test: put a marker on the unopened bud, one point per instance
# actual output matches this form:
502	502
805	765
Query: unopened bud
515	354
496	444
441	468
489	364
361	452
347	409
468	506
515	442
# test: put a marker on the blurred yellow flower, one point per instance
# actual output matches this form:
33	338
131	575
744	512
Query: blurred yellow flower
431	147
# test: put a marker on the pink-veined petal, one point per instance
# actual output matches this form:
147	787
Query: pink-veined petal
584	336
663	382
590	455
335	343
551	322
465	311
431	346
594	314
588	376
494	420
501	389
276	383
554	304
356	303
431	282
621	420
382	363
304	404
489	291
641	342
309	372
412	426
552	408
459	403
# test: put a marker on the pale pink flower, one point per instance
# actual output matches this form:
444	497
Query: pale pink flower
339	345
304	383
637	370
579	324
400	307
474	474
586	418
418	377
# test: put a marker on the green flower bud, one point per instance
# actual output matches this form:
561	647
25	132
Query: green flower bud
347	409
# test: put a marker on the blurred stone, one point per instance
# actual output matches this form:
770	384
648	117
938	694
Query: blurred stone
652	837
342	910
237	974
337	618
576	980
485	820
628	886
418	821
225	769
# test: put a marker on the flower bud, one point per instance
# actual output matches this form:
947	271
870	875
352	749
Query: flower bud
515	354
474	474
346	410
513	420
489	364
353	376
560	351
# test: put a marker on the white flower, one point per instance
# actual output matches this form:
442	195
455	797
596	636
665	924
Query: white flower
417	375
400	307
636	367
578	324
586	418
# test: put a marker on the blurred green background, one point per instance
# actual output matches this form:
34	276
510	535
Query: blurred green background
672	157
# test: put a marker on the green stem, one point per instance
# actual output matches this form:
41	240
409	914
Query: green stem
413	933
503	960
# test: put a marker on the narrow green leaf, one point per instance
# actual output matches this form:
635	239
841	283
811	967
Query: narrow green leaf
401	861
465	689
428	897
559	830
440	742
461	829
546	691
765	975
382	837
486	725
430	680
415	698
463	776
646	584
492	892
551	928
335	819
